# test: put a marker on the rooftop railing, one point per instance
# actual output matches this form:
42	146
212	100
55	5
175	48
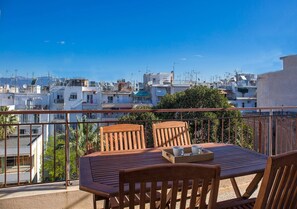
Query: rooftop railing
50	153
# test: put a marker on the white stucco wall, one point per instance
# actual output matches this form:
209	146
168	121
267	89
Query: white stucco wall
279	88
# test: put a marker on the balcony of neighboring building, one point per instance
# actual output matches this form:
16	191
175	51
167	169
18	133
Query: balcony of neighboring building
59	101
36	107
91	101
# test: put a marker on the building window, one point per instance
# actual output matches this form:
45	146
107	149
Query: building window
35	131
25	118
89	98
22	131
36	118
73	96
110	99
242	105
13	161
59	116
90	115
33	161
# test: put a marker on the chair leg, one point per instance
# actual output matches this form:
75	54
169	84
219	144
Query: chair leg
96	198
94	201
253	185
106	204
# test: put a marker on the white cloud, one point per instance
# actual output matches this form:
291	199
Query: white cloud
198	55
183	59
61	42
46	41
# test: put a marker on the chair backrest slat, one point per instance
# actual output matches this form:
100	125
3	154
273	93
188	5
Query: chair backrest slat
122	137
171	133
193	193
292	185
278	188
170	180
153	196
142	195
174	193
184	193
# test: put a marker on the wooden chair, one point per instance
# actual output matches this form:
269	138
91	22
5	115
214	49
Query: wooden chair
168	179
122	137
171	133
278	189
118	138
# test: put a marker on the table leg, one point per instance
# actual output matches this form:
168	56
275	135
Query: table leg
235	187
253	185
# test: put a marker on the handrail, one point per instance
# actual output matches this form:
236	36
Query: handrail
282	108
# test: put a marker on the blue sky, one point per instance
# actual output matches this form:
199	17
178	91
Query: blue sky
112	39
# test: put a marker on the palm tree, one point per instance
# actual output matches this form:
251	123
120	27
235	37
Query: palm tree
84	137
7	119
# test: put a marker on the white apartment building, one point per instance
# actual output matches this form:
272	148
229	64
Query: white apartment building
26	157
116	100
75	94
158	78
158	91
160	84
28	99
245	96
279	88
175	88
29	151
240	90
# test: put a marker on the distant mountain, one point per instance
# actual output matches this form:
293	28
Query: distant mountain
21	81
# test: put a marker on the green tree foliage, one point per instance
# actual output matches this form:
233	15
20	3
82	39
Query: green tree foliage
85	135
204	126
54	159
196	97
146	119
82	140
7	119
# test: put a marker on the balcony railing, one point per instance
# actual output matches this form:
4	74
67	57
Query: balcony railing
53	154
58	101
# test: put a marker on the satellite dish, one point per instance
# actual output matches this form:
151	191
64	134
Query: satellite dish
25	86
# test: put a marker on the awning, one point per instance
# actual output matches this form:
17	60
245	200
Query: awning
141	94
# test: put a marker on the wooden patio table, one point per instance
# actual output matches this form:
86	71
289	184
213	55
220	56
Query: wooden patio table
99	171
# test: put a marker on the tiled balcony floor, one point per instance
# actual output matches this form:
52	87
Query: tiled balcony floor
54	196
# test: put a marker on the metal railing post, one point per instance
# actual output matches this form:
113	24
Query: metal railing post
270	138
18	155
195	131
67	153
5	155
